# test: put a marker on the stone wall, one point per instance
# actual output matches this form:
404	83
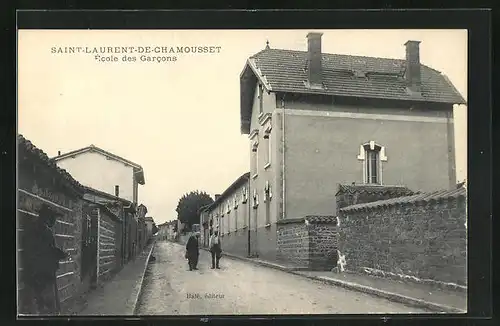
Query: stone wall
354	194
308	243
293	243
421	237
323	244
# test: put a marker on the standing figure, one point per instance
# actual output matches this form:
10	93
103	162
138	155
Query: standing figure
42	262
215	249
192	251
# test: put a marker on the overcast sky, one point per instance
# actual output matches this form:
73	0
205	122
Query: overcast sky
180	120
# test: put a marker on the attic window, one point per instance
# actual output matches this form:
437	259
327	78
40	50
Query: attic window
359	73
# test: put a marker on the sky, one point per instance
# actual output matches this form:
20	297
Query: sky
180	120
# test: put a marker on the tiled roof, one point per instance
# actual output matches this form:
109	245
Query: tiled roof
240	181
374	189
26	146
284	71
342	75
106	195
416	198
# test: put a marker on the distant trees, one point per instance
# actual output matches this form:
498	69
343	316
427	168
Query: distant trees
189	205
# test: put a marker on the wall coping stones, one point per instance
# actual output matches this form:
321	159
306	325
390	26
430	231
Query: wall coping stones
311	219
374	189
295	220
321	219
417	199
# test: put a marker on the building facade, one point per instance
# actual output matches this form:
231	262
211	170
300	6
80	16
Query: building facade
122	177
316	120
230	215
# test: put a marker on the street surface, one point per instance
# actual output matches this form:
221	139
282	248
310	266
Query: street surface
244	288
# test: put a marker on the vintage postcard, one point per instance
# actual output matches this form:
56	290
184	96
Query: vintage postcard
242	172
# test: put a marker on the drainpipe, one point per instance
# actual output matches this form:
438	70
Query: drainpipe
283	155
249	218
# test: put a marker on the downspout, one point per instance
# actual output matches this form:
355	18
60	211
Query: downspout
98	244
283	156
249	218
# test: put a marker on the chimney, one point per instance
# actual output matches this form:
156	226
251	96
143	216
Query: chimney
217	196
412	74
314	59
117	191
58	153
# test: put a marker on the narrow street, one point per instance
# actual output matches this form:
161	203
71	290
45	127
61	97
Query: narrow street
243	288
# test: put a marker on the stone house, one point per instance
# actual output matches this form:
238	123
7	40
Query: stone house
40	182
149	227
315	120
119	176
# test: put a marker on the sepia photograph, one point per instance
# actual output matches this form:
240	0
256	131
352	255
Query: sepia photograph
241	172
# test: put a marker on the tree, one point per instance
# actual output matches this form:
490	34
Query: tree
189	204
155	228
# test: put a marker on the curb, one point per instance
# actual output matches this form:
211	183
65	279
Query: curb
418	303
136	299
413	302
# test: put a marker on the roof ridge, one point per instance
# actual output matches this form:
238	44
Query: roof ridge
94	147
328	53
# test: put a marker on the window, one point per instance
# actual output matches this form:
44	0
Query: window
372	156
255	161
267	138
267	199
261	99
235	217
372	166
228	218
254	164
255	198
244	196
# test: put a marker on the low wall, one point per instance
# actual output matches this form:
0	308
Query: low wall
421	240
323	244
293	243
308	243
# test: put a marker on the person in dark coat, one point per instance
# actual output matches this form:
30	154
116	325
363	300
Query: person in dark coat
215	249
42	261
192	251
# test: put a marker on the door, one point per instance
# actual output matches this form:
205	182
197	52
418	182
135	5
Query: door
89	248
